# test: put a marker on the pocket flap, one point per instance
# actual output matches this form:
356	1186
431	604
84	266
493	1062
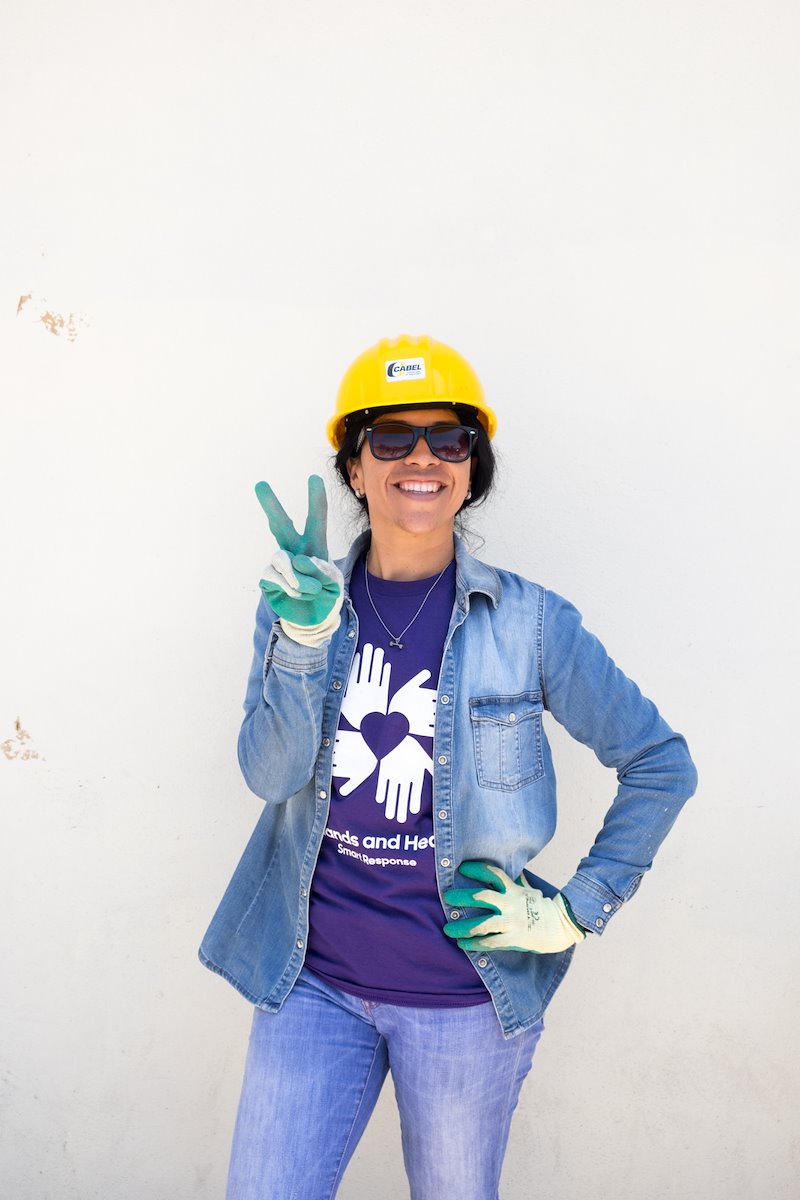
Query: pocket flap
506	710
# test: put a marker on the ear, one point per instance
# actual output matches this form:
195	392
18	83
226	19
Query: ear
355	473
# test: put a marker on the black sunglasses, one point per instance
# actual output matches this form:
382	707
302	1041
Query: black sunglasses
394	440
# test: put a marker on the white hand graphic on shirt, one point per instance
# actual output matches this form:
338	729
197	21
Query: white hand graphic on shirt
367	686
353	758
400	779
417	704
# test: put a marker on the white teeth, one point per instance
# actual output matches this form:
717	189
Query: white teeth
419	487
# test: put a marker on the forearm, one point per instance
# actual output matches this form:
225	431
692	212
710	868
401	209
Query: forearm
652	790
280	734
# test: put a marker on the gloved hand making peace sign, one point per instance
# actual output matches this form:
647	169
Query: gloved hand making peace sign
300	585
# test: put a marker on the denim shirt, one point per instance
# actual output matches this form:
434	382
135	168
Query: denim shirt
513	651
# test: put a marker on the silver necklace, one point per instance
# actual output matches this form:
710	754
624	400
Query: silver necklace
394	639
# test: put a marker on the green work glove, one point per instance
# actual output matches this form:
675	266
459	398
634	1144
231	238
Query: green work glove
300	585
522	917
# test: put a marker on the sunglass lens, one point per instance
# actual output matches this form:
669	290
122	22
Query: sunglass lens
391	441
450	442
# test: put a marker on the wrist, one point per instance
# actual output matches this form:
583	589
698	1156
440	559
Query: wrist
314	635
563	903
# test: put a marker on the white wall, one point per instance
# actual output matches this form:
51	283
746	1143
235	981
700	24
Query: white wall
597	203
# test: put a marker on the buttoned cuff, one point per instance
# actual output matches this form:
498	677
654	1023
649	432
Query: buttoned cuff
593	904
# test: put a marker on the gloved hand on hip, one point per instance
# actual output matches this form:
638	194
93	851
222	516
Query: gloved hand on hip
300	585
521	917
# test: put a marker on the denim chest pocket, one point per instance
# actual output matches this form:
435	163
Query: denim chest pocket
507	736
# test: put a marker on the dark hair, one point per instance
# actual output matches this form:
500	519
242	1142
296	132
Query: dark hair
482	477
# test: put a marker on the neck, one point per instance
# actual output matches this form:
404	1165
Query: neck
404	559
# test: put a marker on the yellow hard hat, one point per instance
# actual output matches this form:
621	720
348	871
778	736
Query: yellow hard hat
404	372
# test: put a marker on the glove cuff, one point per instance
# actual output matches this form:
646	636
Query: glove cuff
314	635
569	921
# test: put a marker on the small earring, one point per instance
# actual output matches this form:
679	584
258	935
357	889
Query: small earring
359	493
469	494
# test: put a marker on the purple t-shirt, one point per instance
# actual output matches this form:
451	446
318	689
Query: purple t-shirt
375	915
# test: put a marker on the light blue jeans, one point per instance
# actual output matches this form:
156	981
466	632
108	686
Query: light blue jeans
313	1075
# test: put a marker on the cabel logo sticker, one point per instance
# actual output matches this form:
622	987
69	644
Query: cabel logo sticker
405	368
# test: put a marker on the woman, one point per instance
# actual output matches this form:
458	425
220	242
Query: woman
381	917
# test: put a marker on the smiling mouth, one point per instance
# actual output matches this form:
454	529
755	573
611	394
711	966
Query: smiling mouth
421	489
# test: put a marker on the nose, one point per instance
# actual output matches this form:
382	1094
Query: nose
421	453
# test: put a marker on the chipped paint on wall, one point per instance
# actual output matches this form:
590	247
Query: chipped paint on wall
39	312
16	746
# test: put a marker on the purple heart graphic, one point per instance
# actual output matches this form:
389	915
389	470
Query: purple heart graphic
383	733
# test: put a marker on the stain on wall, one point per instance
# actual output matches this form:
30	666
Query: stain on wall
17	747
55	322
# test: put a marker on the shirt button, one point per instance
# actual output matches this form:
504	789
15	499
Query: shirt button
303	891
606	908
455	914
442	814
512	716
442	759
326	741
299	943
323	795
337	685
445	862
599	922
445	699
351	633
483	962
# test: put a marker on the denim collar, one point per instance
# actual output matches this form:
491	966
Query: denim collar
471	574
